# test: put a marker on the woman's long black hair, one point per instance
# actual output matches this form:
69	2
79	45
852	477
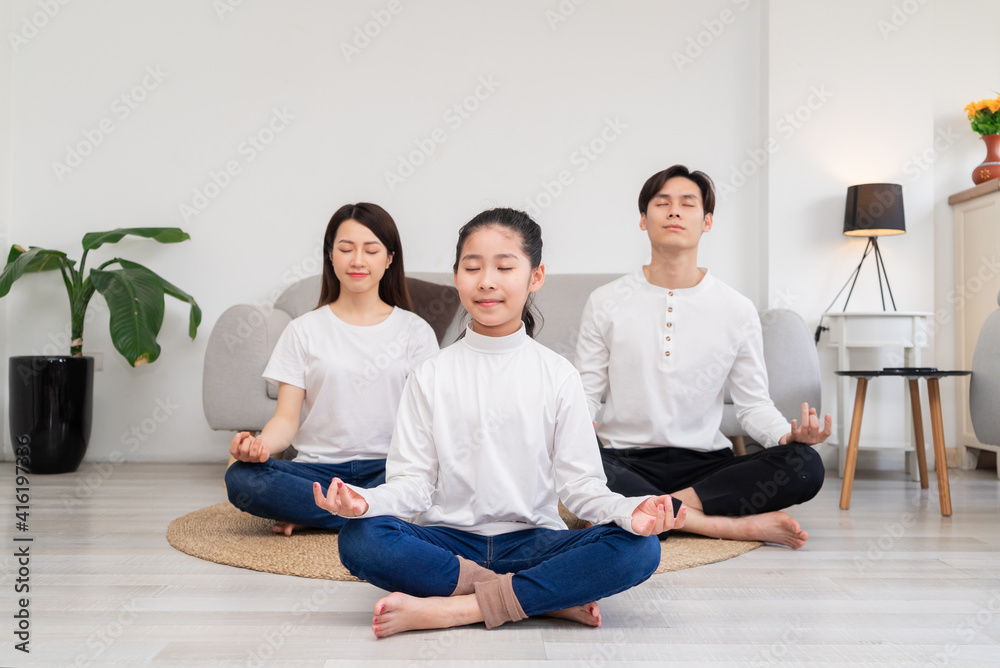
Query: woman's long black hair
392	288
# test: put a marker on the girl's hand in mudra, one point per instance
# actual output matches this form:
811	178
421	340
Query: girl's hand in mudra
340	499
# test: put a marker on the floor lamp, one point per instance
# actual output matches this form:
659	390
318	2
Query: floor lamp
873	210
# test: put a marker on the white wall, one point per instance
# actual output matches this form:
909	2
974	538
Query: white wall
560	79
845	84
558	85
5	170
900	74
959	77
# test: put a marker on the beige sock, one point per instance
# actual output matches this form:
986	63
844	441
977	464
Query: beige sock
497	601
469	573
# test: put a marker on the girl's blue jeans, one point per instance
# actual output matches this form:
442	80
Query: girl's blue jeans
283	491
552	569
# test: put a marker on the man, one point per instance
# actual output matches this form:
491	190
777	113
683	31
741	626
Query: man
662	342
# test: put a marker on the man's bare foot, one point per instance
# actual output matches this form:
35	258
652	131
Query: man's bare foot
775	527
589	614
399	612
287	527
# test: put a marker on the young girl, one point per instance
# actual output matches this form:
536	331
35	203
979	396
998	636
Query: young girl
490	435
346	363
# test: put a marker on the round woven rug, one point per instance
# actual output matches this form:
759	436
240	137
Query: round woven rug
225	535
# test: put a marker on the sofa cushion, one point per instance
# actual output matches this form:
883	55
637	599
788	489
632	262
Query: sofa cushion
561	301
435	303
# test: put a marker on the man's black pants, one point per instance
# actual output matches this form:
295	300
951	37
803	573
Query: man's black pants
772	479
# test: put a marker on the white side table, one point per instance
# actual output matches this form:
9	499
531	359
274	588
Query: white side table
905	330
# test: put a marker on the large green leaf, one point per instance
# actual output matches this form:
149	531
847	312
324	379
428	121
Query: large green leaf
21	262
135	300
195	318
165	235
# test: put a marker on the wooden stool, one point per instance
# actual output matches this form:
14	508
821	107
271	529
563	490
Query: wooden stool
937	428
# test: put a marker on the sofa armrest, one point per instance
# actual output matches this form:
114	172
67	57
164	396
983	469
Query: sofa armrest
984	386
792	365
234	395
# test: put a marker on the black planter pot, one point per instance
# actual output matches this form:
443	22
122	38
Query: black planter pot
51	410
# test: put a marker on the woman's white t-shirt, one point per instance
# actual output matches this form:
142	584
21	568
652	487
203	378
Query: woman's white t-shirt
353	377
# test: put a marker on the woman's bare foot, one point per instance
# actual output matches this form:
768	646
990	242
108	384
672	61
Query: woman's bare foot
775	527
399	612
589	614
287	527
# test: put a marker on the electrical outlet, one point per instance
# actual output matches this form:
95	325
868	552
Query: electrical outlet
98	360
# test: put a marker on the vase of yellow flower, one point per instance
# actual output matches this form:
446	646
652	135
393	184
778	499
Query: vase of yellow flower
984	116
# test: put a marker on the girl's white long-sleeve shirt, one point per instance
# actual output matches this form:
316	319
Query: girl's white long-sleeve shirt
490	434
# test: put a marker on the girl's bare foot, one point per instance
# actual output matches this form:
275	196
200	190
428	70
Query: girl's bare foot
589	614
399	612
287	527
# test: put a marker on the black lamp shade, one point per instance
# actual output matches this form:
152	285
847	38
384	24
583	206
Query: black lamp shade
874	210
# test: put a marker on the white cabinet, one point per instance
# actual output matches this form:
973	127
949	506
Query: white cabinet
977	282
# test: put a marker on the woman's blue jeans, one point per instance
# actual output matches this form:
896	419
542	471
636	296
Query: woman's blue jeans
552	569
283	491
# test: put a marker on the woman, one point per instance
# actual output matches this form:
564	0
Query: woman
345	363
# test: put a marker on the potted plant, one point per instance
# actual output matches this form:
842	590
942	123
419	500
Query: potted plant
51	397
984	116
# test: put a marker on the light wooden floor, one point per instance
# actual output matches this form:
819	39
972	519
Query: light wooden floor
889	582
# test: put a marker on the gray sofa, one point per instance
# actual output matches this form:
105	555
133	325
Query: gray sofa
235	397
984	387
